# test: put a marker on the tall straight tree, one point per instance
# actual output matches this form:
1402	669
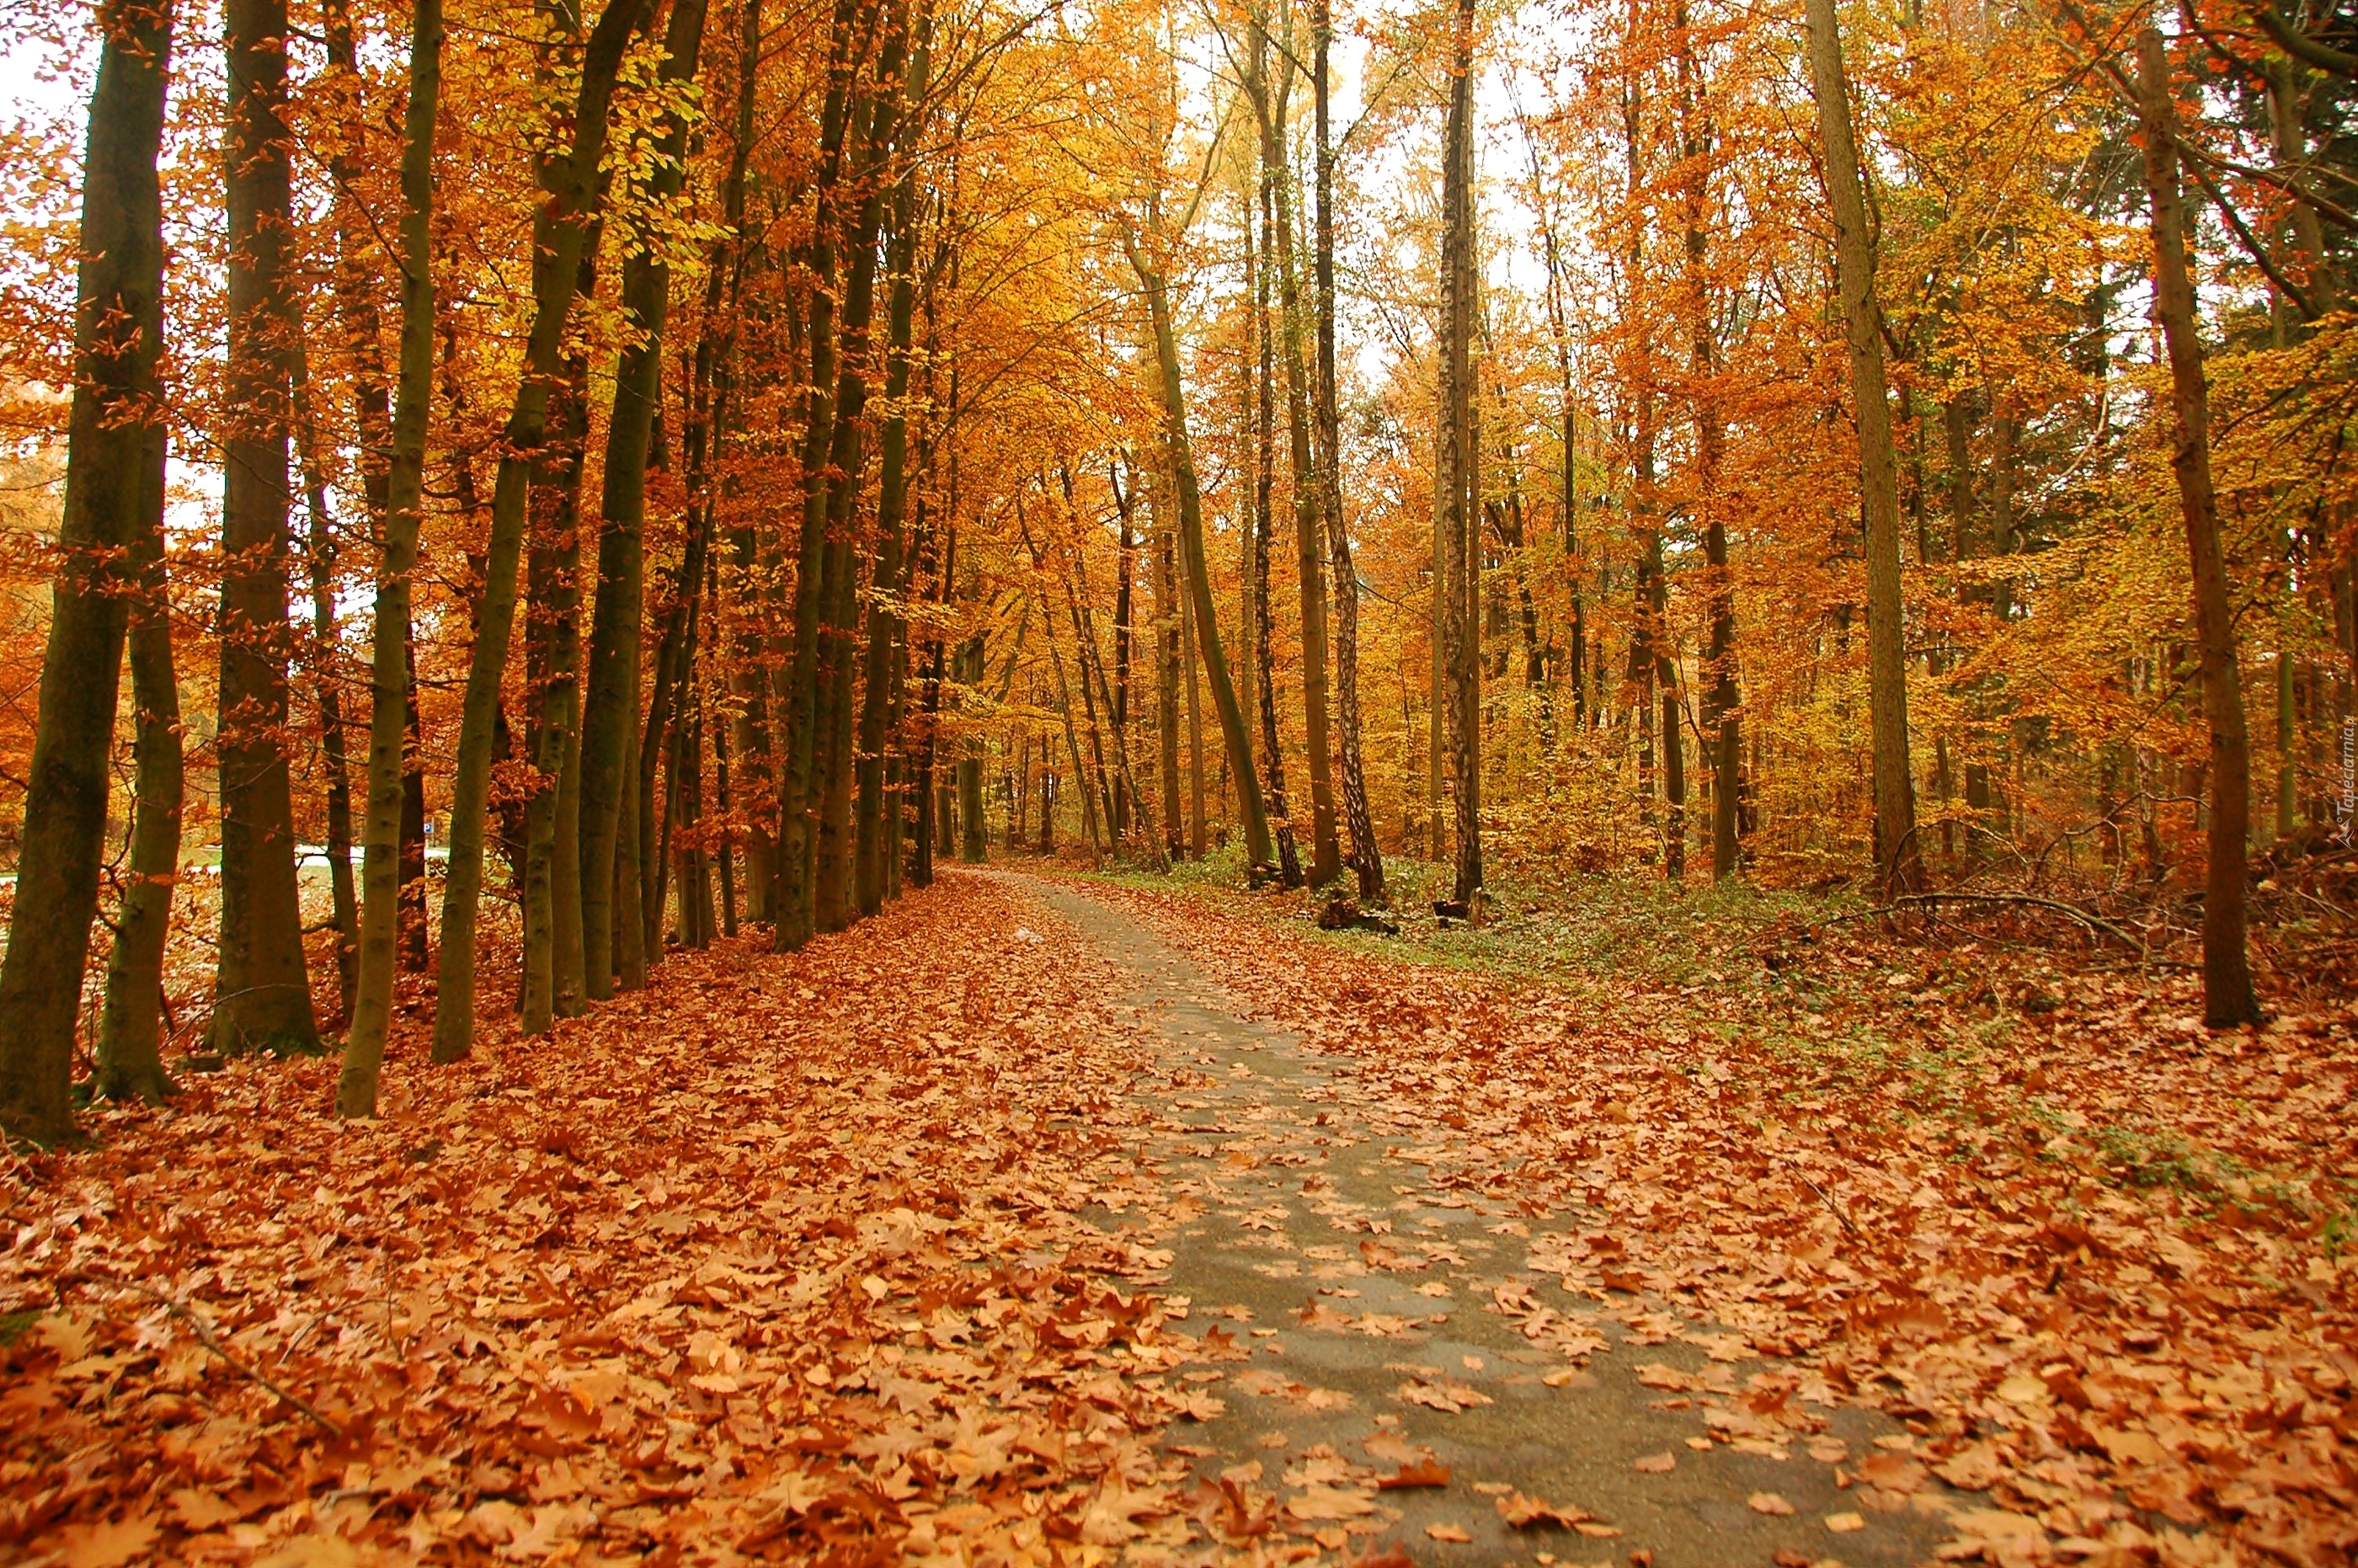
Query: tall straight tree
1270	101
262	997
113	497
2227	996
796	687
1722	738
569	186
396	559
1899	859
1461	444
1367	855
1180	457
610	715
877	849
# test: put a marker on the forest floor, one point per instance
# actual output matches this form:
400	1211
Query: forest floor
1057	1218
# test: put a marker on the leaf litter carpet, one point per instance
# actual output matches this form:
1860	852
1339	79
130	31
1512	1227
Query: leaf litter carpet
1032	1224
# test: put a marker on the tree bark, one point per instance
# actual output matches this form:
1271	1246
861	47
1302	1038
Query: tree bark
262	996
1899	867
114	496
1367	855
356	1090
1461	445
560	231
1182	461
1307	489
2227	995
130	1036
610	709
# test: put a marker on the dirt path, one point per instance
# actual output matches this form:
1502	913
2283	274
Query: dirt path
1362	1320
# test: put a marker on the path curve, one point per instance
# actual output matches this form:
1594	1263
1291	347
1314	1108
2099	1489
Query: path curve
1349	1305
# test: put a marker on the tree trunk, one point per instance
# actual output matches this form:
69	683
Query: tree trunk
319	558
130	1040
1722	735
397	558
553	983
1462	446
610	710
113	497
262	996
1167	656
878	815
1899	859
560	231
1277	216
2227	996
1367	855
1182	458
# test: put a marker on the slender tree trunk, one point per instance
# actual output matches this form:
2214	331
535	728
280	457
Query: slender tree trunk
1722	735
1167	621
878	825
1197	844
262	996
1278	257
799	782
1899	858
560	230
1462	471
2227	996
1182	459
319	557
397	558
610	711
130	1037
1367	855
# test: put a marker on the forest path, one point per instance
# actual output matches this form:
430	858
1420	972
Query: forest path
1353	1309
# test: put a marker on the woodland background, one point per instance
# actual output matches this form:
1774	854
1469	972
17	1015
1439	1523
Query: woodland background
811	421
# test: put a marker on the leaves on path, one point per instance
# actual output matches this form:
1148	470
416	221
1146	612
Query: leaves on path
2093	1258
780	1257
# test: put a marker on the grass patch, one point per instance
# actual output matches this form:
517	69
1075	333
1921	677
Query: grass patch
14	1326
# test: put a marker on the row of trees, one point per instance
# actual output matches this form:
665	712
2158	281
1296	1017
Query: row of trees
730	432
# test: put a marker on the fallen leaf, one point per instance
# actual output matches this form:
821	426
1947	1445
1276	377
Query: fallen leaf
1768	1503
1425	1472
1457	1533
1523	1512
1657	1464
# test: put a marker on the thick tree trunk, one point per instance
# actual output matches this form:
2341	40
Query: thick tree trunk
262	996
1899	859
1182	459
397	558
113	497
2227	996
553	983
560	232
